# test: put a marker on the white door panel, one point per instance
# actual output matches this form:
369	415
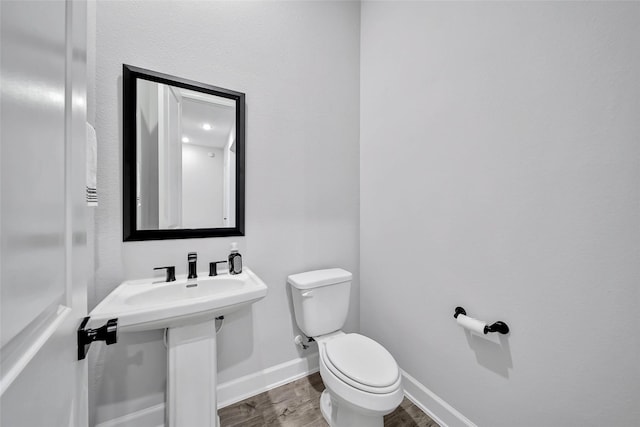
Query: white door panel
33	93
43	283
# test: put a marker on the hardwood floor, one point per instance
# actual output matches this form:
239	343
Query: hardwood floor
297	404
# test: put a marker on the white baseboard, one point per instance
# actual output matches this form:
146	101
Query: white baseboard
230	392
431	404
267	379
152	416
250	385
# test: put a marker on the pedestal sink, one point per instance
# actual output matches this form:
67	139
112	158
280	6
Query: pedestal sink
187	308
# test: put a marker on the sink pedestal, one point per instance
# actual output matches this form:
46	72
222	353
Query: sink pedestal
187	310
192	376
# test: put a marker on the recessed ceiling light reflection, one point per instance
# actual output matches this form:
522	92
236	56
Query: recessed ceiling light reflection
206	126
185	139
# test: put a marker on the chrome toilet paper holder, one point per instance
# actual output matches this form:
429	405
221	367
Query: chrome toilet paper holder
498	326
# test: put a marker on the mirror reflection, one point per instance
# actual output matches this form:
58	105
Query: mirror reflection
185	158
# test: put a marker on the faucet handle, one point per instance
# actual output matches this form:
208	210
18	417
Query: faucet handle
171	273
213	267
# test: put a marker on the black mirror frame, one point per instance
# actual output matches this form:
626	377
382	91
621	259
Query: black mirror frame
130	232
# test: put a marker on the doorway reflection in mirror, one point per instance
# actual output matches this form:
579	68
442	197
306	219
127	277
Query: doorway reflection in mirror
186	158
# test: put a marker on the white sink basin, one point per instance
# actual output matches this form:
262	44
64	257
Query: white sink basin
141	305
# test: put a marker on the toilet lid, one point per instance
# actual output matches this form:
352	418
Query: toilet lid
362	360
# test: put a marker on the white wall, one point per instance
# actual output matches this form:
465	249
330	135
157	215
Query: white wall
202	190
147	153
500	162
298	63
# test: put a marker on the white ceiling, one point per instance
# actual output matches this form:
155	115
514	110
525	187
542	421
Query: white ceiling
198	109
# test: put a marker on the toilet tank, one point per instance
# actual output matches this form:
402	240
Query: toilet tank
321	300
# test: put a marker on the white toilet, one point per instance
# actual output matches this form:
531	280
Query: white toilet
361	377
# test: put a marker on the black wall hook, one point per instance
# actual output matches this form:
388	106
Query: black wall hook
499	326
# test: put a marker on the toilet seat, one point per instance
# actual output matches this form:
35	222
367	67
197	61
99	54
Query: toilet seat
361	363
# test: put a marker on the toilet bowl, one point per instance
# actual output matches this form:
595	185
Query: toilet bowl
362	379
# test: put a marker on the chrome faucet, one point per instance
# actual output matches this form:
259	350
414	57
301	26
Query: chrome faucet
192	258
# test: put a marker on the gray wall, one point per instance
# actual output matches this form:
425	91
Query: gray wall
298	63
500	171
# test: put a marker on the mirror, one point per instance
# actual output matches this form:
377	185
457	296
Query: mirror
183	152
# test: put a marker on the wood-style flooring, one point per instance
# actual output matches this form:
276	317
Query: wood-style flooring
297	404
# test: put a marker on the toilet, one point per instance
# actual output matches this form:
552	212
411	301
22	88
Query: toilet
361	377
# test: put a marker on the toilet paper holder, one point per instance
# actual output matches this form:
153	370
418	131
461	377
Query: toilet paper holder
498	326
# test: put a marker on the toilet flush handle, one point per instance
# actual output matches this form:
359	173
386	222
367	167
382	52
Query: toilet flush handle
307	294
